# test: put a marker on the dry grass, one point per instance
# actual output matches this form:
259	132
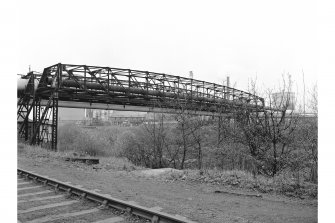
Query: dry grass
281	184
39	152
106	163
116	163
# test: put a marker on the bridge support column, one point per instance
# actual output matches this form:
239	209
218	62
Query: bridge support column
54	123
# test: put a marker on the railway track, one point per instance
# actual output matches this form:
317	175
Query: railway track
43	199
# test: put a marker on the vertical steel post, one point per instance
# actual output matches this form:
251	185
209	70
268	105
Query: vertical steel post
26	128
55	109
85	78
34	106
178	86
191	90
37	118
203	89
129	82
147	84
108	80
178	89
54	122
214	92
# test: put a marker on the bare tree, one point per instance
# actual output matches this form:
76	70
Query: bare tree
157	140
268	133
313	99
189	134
184	132
309	133
199	137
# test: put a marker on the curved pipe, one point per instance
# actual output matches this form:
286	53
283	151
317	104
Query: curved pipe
22	84
115	88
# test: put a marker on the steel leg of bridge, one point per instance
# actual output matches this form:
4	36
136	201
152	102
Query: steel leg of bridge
36	119
26	128
23	109
54	123
45	123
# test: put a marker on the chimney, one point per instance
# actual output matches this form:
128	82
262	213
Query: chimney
191	74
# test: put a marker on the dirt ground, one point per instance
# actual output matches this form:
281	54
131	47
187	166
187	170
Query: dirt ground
195	201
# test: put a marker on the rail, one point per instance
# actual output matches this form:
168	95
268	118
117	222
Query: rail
105	200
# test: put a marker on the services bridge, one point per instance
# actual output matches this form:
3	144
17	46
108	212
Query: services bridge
82	86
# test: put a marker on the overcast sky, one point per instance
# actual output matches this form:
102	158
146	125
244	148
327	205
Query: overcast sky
242	39
213	39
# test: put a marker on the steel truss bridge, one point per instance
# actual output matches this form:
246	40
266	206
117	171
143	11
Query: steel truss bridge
81	86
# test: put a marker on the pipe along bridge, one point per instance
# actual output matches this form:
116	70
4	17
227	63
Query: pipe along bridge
82	86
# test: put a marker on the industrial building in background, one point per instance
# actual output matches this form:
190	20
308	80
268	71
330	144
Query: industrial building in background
112	117
283	100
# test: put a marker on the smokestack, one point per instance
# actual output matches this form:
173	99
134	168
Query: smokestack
228	81
191	74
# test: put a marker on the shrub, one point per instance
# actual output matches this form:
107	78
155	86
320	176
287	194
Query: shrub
128	146
91	145
67	135
82	141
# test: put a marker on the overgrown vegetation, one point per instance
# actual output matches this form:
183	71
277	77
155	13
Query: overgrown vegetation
271	145
281	183
88	141
39	154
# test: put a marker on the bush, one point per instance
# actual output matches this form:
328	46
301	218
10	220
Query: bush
83	141
67	135
91	145
132	146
